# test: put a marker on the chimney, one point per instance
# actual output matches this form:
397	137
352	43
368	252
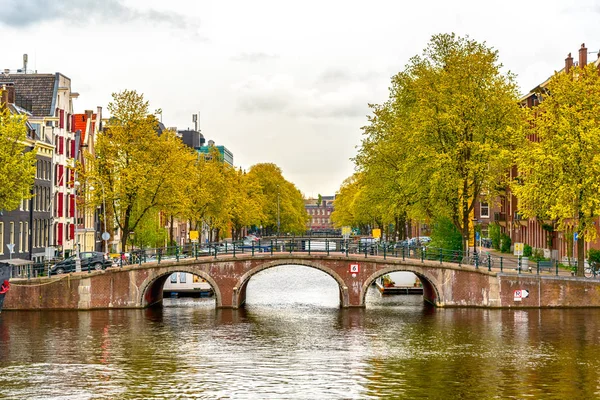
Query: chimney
582	56
8	93
568	63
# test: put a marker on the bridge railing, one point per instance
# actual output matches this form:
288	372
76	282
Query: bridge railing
318	246
340	246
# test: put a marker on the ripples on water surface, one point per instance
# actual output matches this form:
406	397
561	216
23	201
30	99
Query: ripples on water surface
293	341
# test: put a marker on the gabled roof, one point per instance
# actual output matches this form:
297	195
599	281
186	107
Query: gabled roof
33	92
80	124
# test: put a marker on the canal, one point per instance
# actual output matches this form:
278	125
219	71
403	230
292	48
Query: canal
293	341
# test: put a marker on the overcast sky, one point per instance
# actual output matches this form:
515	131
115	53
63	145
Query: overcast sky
287	82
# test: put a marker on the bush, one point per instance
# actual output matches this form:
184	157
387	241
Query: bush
444	235
527	250
538	255
505	243
494	233
594	256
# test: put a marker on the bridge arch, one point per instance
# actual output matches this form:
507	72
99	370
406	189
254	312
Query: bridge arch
151	288
431	292
239	292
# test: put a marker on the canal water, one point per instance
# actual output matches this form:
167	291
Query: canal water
292	341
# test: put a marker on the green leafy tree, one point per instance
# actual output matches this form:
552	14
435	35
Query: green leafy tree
17	166
246	203
280	198
141	171
446	132
444	235
559	168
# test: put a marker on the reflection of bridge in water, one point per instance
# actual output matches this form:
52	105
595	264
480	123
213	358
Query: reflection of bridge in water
445	283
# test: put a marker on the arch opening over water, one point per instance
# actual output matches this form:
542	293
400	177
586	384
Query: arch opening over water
430	291
292	285
154	292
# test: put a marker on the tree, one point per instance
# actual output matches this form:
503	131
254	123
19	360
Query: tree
281	198
207	193
17	167
452	116
142	171
246	203
560	165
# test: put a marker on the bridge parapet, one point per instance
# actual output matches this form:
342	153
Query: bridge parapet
136	286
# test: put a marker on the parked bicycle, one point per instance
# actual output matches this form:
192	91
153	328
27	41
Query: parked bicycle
478	259
592	270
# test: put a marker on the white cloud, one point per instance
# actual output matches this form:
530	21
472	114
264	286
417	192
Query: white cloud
333	96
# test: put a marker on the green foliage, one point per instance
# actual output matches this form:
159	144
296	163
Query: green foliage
505	243
445	134
149	233
282	198
495	235
17	167
140	170
559	170
527	250
537	255
444	235
594	256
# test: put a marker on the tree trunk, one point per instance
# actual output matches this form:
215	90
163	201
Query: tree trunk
580	254
171	229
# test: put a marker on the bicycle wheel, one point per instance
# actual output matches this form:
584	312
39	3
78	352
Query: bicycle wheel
588	272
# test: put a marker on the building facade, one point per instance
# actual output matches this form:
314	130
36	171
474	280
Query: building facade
320	214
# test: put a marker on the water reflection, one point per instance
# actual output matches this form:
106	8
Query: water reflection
293	341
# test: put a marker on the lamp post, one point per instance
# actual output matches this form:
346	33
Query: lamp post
105	234
475	236
76	185
278	222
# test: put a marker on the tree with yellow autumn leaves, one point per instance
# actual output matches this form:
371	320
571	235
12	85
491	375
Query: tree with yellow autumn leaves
445	134
559	168
145	170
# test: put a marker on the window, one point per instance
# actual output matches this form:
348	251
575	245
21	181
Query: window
21	237
174	277
182	277
11	238
26	236
484	209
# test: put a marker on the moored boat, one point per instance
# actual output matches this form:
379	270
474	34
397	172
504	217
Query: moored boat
4	285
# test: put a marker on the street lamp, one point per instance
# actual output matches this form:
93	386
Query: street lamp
278	222
105	234
76	185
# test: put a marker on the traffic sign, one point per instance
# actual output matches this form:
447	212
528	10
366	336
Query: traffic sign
354	268
376	233
194	236
518	250
11	247
521	294
575	235
105	236
346	231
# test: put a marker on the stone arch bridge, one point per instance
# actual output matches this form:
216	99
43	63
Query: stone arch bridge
444	284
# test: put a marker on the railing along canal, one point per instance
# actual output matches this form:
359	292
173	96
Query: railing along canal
316	246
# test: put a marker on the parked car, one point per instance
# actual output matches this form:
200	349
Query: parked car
89	260
419	241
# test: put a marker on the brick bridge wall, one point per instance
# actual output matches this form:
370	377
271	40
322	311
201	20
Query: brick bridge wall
445	285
